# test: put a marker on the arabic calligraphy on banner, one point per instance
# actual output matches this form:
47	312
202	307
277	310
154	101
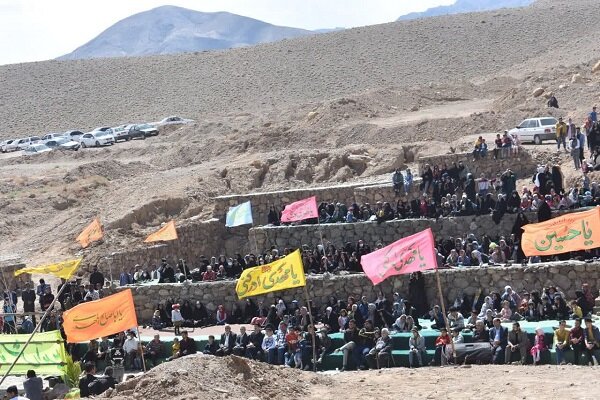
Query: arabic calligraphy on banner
410	254
100	318
285	273
45	353
64	269
569	232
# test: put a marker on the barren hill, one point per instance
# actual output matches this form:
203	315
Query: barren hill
339	107
170	29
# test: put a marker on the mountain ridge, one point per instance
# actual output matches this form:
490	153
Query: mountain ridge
171	29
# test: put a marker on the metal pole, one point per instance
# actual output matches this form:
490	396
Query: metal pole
313	334
37	327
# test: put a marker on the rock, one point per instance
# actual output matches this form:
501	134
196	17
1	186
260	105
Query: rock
311	115
564	86
577	78
538	92
414	108
596	67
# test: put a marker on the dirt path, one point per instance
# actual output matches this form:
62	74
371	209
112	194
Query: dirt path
456	109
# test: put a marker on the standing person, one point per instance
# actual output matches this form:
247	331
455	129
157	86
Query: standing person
10	309
416	293
33	386
96	278
176	318
28	296
561	134
594	115
398	181
574	146
408	181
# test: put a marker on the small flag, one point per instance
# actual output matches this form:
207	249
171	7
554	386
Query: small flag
300	210
285	273
91	233
410	254
167	232
239	215
64	269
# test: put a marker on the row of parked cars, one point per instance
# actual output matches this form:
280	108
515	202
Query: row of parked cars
74	140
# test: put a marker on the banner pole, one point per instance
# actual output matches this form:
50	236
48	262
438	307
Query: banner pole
443	304
321	235
313	334
37	327
137	328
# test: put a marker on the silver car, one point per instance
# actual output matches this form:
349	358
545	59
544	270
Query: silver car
536	130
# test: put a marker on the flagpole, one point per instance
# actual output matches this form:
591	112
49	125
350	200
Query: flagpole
321	235
443	304
37	327
313	334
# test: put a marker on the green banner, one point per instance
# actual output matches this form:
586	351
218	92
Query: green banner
45	354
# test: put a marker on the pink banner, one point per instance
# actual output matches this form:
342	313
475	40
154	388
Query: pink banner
300	210
410	254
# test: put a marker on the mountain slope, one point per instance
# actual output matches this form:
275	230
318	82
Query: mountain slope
169	29
464	6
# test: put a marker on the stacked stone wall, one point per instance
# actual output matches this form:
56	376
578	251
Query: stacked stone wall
567	276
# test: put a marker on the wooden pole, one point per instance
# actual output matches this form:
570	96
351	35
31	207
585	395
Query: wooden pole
37	327
443	304
313	334
137	328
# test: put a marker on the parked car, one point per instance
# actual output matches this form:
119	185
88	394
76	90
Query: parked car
106	129
74	135
97	138
173	120
536	130
63	143
36	149
5	144
13	145
26	142
121	133
142	131
50	136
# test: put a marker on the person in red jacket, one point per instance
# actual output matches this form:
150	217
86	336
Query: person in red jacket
440	343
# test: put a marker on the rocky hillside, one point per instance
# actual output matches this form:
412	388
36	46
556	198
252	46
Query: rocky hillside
170	30
465	6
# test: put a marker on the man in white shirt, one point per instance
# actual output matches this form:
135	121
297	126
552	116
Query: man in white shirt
131	349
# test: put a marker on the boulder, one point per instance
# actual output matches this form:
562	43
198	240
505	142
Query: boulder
538	92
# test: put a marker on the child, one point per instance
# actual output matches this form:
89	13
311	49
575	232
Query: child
576	311
538	346
176	318
269	346
211	347
293	354
440	343
506	312
175	348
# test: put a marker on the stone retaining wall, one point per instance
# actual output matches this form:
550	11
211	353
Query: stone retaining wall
522	164
385	233
567	276
196	238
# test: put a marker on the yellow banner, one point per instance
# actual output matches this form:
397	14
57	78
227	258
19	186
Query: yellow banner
64	269
285	273
94	319
167	232
91	233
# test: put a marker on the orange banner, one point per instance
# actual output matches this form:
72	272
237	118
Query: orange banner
91	233
99	318
569	232
167	232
